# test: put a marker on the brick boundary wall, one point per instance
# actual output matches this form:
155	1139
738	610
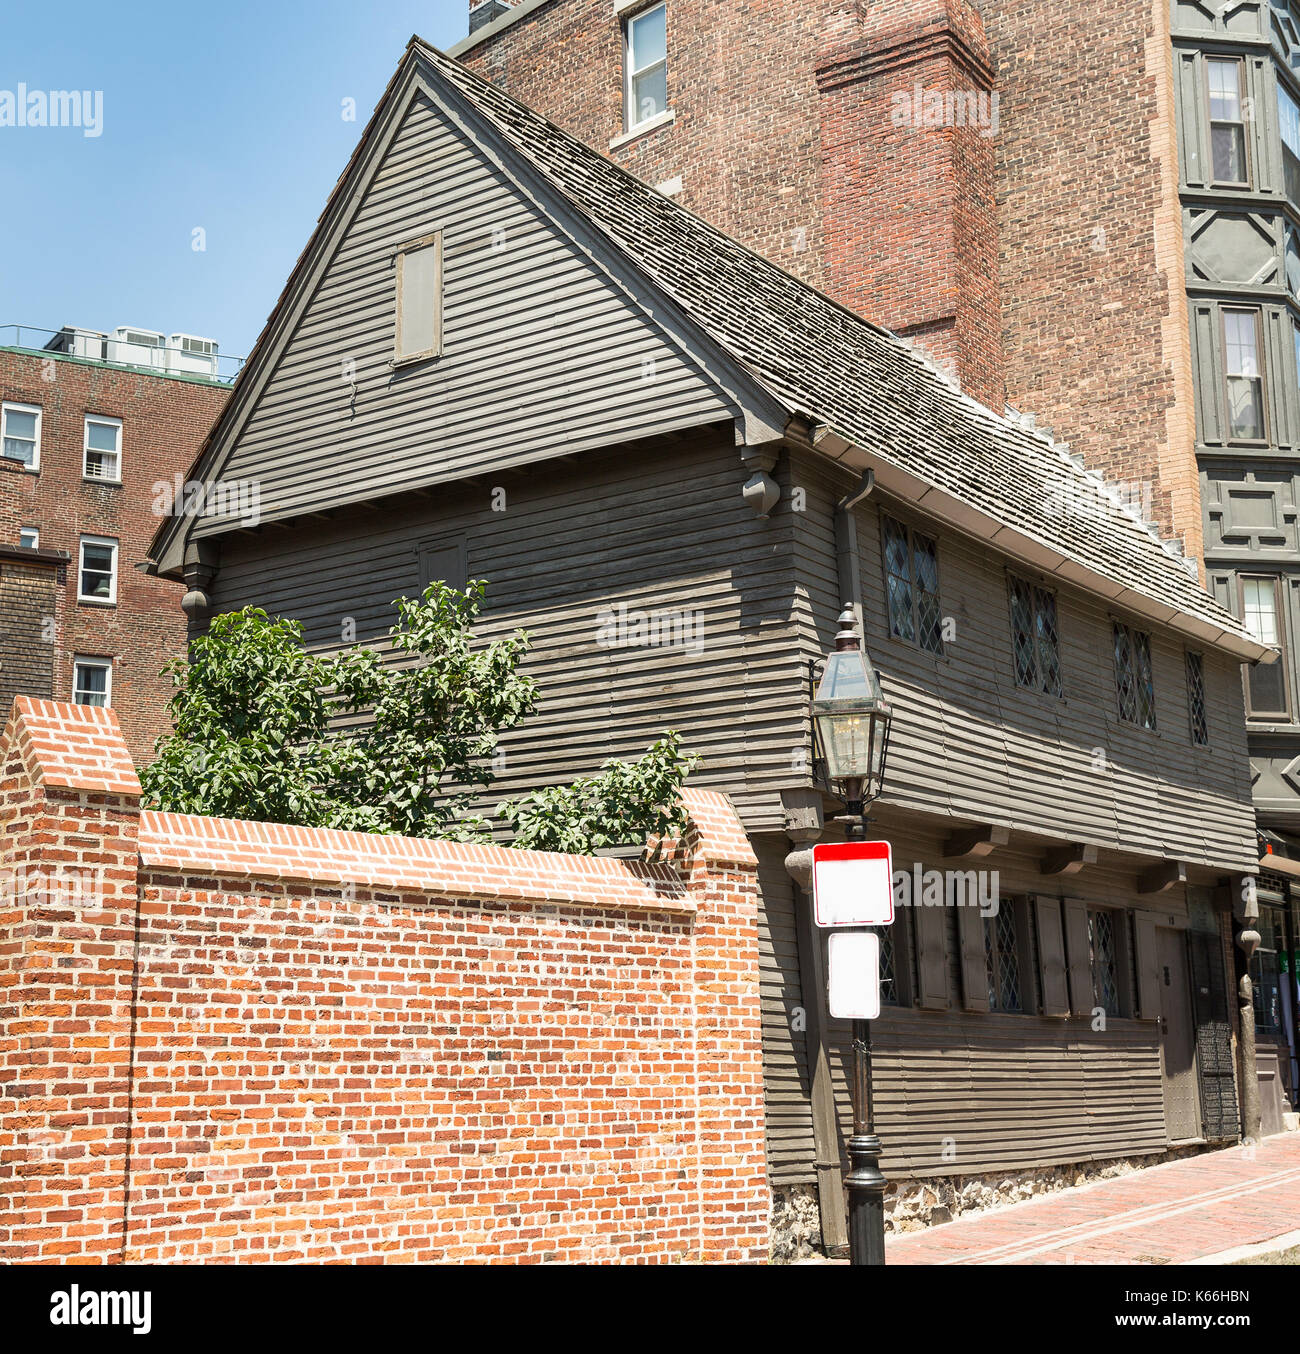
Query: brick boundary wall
232	1041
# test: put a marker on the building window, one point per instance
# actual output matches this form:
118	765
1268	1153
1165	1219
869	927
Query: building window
1134	684
1288	114
21	428
1196	715
1266	972
912	586
97	574
1104	939
29	538
1243	374
92	681
418	327
1228	157
1261	613
888	965
1002	954
102	448
646	65
1034	640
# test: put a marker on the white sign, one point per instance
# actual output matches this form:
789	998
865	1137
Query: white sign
853	884
853	974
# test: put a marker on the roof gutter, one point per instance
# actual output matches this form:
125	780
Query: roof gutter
981	526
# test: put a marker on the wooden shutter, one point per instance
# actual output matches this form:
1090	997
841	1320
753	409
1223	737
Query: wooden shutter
974	962
1079	954
1051	957
929	925
1148	966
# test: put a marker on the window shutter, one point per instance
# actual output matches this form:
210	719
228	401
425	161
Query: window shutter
1148	966
1051	957
1079	953
974	962
929	927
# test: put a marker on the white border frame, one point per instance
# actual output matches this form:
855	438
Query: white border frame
20	407
629	17
82	542
91	661
108	421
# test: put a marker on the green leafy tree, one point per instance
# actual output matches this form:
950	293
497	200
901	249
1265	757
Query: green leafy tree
255	735
624	803
258	735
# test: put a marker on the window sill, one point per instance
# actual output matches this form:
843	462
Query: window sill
100	479
664	119
96	601
412	358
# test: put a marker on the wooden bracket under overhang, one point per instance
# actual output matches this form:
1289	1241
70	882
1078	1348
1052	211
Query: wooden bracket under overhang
1162	877
1068	859
977	841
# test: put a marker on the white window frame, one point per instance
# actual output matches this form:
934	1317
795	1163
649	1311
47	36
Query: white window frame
19	408
80	661
111	599
632	121
34	533
106	421
431	241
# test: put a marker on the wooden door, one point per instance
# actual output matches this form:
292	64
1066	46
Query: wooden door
1177	1046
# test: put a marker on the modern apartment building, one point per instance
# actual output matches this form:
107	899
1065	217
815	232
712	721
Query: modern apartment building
97	430
1090	214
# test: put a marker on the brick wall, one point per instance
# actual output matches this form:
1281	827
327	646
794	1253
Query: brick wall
164	420
347	1047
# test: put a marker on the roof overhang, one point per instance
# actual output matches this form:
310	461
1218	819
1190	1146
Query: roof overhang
1018	545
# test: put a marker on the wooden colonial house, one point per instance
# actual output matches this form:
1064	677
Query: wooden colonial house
502	357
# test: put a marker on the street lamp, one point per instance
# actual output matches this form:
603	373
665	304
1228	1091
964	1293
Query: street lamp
851	718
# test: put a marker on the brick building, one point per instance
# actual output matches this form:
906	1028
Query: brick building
87	443
1088	212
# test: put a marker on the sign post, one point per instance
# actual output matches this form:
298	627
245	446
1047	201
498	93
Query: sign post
853	888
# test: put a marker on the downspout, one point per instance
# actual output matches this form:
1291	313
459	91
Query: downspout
848	560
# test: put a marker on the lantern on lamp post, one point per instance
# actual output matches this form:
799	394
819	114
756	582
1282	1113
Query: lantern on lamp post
851	718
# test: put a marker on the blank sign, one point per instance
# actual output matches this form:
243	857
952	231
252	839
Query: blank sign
853	979
853	884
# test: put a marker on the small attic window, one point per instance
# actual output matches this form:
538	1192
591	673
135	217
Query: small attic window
418	318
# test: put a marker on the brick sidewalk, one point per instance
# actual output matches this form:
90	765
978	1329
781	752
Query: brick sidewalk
1166	1214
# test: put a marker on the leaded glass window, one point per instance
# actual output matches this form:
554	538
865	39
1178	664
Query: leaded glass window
1003	958
1134	683
1035	641
912	586
1196	700
1103	940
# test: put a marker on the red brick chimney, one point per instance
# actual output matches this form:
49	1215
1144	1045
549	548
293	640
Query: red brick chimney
908	120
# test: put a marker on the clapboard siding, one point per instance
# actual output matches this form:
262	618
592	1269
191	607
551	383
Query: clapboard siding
789	1126
659	528
960	1092
967	742
542	354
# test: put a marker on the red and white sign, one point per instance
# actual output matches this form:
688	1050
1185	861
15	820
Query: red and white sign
853	884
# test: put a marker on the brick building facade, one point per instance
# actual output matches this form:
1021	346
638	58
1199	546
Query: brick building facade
66	633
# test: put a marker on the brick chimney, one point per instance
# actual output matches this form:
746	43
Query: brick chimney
908	120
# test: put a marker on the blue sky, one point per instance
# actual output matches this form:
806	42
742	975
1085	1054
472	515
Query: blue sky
227	118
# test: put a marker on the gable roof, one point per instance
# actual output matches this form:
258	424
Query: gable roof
864	396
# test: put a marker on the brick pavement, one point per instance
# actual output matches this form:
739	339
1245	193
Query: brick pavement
1169	1214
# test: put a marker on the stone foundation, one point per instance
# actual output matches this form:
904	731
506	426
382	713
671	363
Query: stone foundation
912	1205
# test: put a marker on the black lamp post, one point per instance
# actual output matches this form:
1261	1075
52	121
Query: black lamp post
851	718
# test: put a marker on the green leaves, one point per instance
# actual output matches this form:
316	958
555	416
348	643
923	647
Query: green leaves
625	803
258	735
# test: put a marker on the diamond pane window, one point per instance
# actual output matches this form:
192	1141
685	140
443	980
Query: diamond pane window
1196	700
912	586
1003	956
1034	638
1134	682
1105	981
888	970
